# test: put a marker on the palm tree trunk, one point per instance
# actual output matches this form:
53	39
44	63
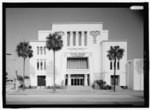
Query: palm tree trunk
54	70
114	74
23	73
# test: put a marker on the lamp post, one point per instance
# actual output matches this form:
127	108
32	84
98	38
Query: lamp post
10	54
15	79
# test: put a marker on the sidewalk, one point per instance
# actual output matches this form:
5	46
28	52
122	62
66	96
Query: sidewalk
139	94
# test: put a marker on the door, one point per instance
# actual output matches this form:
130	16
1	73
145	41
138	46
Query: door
116	80
41	80
77	80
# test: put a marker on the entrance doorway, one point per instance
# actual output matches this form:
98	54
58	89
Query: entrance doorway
116	80
41	80
77	79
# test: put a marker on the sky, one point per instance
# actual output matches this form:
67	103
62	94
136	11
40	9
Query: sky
24	23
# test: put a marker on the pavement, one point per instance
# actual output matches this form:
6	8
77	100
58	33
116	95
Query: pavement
74	97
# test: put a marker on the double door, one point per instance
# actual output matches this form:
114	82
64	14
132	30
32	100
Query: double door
77	79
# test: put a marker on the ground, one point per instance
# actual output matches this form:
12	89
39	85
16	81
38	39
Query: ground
73	97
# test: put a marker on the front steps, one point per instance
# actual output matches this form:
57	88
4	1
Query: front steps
79	88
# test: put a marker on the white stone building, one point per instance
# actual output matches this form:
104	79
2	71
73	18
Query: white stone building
81	61
135	74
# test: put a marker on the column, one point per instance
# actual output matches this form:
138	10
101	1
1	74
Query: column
71	38
69	80
80	63
77	38
82	38
85	80
68	61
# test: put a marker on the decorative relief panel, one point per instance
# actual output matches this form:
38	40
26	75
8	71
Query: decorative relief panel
94	34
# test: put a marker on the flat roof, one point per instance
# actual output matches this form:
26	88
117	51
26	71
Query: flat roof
45	31
114	41
76	22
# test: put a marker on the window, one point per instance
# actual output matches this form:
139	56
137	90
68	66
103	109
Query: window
74	38
68	38
41	50
37	50
85	38
37	64
44	64
77	63
118	65
80	39
41	64
45	50
110	65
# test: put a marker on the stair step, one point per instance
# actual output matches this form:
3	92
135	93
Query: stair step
79	88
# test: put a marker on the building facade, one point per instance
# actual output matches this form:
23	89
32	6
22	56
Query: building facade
135	74
82	59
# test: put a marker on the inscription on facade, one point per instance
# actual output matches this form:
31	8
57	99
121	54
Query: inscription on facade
77	54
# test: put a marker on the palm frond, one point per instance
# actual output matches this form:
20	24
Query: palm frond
115	53
54	42
24	50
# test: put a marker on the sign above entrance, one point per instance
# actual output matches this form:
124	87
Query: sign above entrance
78	54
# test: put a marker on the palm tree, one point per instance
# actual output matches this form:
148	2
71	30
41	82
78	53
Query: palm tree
54	43
115	53
24	50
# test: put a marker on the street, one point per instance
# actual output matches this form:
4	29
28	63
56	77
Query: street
74	99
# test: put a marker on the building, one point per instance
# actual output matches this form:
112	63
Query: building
135	74
81	61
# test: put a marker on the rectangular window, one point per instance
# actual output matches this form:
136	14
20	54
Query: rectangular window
77	63
74	38
41	50
38	50
68	38
37	64
85	38
44	64
80	39
111	65
118	65
41	64
45	50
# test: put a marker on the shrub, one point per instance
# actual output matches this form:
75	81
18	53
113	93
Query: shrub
20	78
26	77
100	84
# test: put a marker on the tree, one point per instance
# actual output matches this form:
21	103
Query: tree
54	43
24	50
115	53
